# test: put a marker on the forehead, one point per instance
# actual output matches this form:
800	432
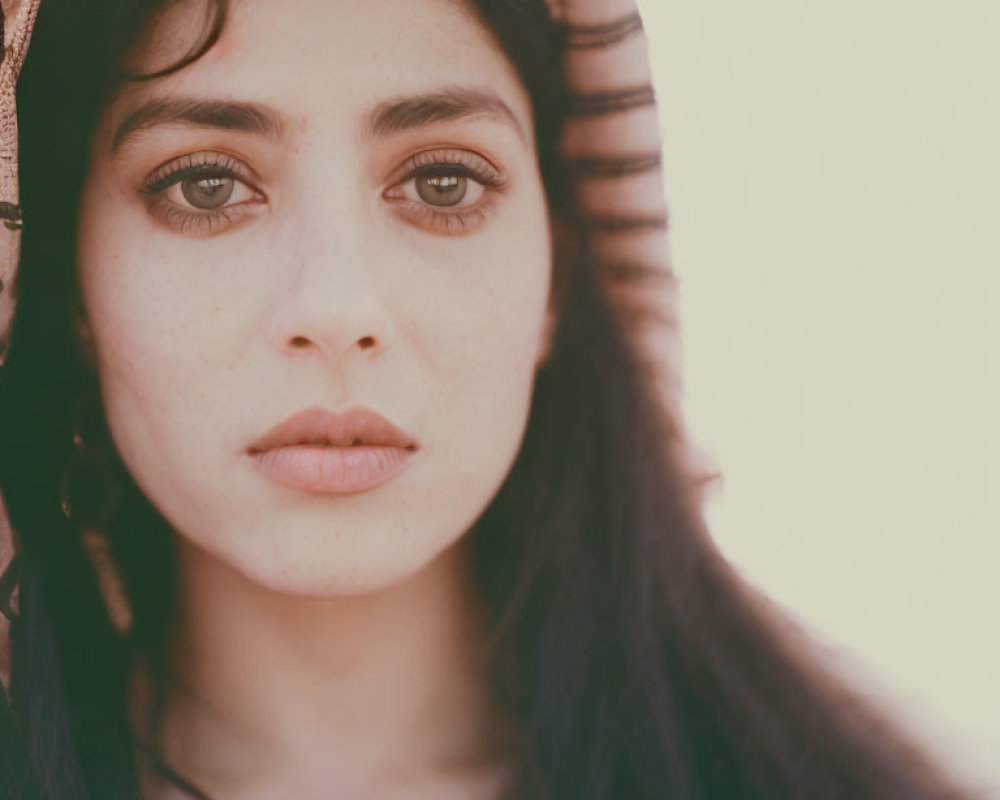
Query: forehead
315	58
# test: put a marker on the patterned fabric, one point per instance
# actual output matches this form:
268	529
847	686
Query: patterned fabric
613	145
17	20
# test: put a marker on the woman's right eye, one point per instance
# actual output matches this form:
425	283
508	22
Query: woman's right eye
206	190
202	193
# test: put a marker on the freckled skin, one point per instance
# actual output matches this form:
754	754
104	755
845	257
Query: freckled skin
194	333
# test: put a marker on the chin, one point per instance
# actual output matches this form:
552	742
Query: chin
327	567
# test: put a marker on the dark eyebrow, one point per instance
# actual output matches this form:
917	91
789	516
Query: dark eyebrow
388	117
415	111
231	116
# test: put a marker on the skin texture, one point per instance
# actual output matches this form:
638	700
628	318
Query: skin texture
330	284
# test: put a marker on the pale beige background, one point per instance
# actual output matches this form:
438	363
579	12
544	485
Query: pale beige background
832	171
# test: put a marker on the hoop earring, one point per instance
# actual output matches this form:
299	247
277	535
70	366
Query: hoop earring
90	496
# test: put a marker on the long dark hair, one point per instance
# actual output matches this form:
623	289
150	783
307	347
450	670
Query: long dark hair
636	660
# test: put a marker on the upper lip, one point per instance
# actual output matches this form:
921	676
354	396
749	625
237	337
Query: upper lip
316	425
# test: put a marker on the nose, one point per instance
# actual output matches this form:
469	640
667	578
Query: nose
331	302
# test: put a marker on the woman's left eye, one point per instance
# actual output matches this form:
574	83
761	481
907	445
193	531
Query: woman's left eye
448	191
445	190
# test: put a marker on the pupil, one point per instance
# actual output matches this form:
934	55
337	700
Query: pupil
443	190
208	193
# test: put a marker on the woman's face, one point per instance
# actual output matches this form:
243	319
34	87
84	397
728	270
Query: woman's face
335	207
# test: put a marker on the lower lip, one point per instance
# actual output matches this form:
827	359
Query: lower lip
329	469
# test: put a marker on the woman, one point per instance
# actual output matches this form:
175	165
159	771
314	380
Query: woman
342	439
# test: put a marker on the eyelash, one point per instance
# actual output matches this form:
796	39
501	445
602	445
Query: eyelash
193	166
426	164
445	163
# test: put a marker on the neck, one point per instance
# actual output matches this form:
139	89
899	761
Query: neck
341	692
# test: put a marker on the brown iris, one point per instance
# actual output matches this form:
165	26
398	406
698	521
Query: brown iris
206	193
442	190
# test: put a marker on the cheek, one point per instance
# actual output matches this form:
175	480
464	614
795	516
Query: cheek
485	339
491	307
152	298
152	336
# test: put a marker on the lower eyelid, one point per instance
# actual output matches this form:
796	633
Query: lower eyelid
460	220
176	217
450	222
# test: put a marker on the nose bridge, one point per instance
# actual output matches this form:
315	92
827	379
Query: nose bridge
331	299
